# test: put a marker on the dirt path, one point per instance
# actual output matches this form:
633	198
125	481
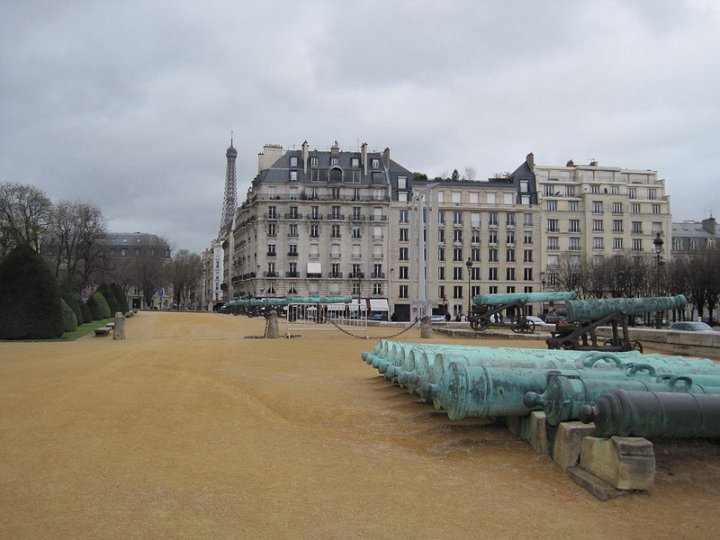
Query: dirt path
189	430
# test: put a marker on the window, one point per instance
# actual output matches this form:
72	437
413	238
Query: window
441	235
292	249
632	193
528	255
441	254
377	288
402	182
458	273
457	218
597	207
404	234
458	254
636	227
335	193
403	217
492	274
637	244
635	208
617	244
272	212
510	219
458	236
403	272
457	291
573	206
574	244
314	161
403	291
314	230
293	161
475	254
597	225
569	191
475	236
293	212
293	230
271	249
355	162
404	254
334	161
315	212
356	231
491	198
574	225
492	237
615	189
271	231
552	206
492	218
527	219
617	225
335	230
617	208
375	163
527	238
474	197
598	242
552	225
293	193
595	189
507	198
475	273
528	274
652	194
510	255
655	208
475	219
441	272
455	196
510	238
553	242
493	255
314	250
510	274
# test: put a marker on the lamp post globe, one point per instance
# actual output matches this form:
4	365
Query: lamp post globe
658	243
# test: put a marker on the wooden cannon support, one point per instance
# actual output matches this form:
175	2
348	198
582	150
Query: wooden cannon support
487	305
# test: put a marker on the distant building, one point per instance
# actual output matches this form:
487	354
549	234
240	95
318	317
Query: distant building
689	237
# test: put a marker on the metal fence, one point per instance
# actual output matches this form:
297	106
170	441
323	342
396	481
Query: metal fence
325	317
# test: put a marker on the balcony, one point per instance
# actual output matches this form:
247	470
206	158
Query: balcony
292	254
271	254
271	216
313	275
335	275
378	218
293	235
336	217
377	275
314	216
270	274
293	215
356	275
292	274
357	217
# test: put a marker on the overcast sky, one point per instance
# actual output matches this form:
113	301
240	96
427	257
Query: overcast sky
129	105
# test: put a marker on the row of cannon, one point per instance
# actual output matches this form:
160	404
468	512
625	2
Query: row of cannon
625	393
254	307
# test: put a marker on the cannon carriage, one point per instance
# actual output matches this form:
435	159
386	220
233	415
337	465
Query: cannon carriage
488	307
584	317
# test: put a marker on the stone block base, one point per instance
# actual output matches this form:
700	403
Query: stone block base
623	462
568	438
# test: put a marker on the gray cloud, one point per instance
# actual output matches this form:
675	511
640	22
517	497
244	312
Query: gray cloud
129	105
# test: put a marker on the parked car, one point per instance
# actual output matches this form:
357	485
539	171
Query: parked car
538	321
437	318
691	326
378	317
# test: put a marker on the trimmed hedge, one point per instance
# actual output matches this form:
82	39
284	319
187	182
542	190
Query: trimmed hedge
74	303
70	322
120	297
98	306
109	295
29	300
86	313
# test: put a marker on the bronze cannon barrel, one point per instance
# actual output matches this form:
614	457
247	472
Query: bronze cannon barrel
593	310
511	298
655	414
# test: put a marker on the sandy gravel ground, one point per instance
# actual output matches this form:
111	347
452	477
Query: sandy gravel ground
190	430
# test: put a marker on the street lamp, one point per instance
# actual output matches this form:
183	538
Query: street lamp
658	243
542	283
469	265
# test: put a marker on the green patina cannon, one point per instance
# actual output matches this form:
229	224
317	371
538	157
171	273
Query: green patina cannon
253	307
583	317
489	307
567	393
487	381
655	414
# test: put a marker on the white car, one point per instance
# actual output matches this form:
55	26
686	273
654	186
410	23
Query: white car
537	321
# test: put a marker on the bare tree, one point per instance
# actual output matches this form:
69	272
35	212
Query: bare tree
185	271
148	266
24	215
76	230
470	173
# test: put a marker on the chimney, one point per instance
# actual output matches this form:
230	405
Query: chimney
709	225
363	158
570	163
270	154
305	155
386	158
530	160
335	148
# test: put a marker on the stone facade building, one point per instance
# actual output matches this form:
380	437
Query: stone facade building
335	222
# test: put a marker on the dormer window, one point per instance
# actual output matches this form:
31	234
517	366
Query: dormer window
314	161
375	163
355	162
293	161
334	161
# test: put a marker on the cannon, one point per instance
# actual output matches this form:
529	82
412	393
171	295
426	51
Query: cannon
487	306
585	316
567	393
253	307
655	414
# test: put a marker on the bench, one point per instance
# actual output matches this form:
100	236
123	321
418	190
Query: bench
102	331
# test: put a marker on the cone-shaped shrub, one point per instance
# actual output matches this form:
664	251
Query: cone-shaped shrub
69	320
120	297
29	301
86	312
103	305
109	295
74	303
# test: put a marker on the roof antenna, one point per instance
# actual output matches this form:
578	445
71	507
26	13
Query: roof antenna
231	137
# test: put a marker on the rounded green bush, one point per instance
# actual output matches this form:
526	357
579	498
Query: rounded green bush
102	305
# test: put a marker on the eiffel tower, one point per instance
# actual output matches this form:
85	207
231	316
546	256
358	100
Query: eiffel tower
230	198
